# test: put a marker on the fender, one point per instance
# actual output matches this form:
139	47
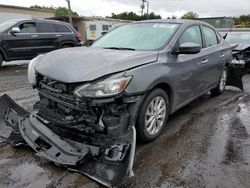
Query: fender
165	84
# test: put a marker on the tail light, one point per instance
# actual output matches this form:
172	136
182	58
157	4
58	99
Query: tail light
78	37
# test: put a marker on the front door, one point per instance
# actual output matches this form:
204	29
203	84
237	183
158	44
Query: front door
24	44
187	81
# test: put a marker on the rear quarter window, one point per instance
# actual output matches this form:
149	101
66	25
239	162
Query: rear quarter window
46	28
60	28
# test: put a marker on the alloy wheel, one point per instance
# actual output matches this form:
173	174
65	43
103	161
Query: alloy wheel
155	115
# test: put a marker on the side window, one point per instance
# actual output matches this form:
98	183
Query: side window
60	28
92	27
192	34
28	27
210	36
105	27
46	28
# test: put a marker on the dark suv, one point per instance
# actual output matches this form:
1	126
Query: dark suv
25	39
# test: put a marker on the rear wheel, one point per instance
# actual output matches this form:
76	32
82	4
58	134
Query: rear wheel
222	84
67	46
153	115
1	60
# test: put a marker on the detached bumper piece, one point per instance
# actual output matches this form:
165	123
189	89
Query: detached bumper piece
10	116
109	162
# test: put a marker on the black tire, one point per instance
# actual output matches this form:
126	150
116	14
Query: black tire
1	60
219	89
67	46
142	132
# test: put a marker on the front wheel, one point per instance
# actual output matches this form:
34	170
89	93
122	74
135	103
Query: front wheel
221	85
153	115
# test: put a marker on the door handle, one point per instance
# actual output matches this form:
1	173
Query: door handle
222	55
58	35
33	36
205	61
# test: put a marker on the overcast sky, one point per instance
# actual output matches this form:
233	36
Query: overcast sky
165	8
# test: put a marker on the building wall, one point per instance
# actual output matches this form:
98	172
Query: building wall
82	24
14	11
98	30
7	16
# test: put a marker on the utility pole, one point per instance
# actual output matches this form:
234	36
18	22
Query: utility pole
143	7
70	15
147	9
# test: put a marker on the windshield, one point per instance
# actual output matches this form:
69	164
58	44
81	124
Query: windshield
142	36
6	25
238	38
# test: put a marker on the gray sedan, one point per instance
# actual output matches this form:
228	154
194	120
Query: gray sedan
95	100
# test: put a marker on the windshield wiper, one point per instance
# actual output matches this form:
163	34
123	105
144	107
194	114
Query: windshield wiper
120	48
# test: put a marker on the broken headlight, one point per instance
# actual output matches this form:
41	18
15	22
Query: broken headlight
32	71
105	88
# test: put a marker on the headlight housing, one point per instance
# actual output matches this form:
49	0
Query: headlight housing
105	88
32	71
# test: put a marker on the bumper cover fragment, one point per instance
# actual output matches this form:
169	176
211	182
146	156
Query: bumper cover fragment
10	115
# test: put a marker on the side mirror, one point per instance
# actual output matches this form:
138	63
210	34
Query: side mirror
189	48
15	30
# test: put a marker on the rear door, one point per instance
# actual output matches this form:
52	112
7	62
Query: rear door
211	66
24	44
49	36
66	35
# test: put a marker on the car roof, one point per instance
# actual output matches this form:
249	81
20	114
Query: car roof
41	20
180	21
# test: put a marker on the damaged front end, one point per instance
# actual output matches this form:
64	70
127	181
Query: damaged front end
95	137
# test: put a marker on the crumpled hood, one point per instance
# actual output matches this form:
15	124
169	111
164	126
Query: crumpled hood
87	63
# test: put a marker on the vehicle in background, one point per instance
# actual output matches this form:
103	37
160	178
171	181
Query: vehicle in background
239	39
95	100
97	28
25	39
